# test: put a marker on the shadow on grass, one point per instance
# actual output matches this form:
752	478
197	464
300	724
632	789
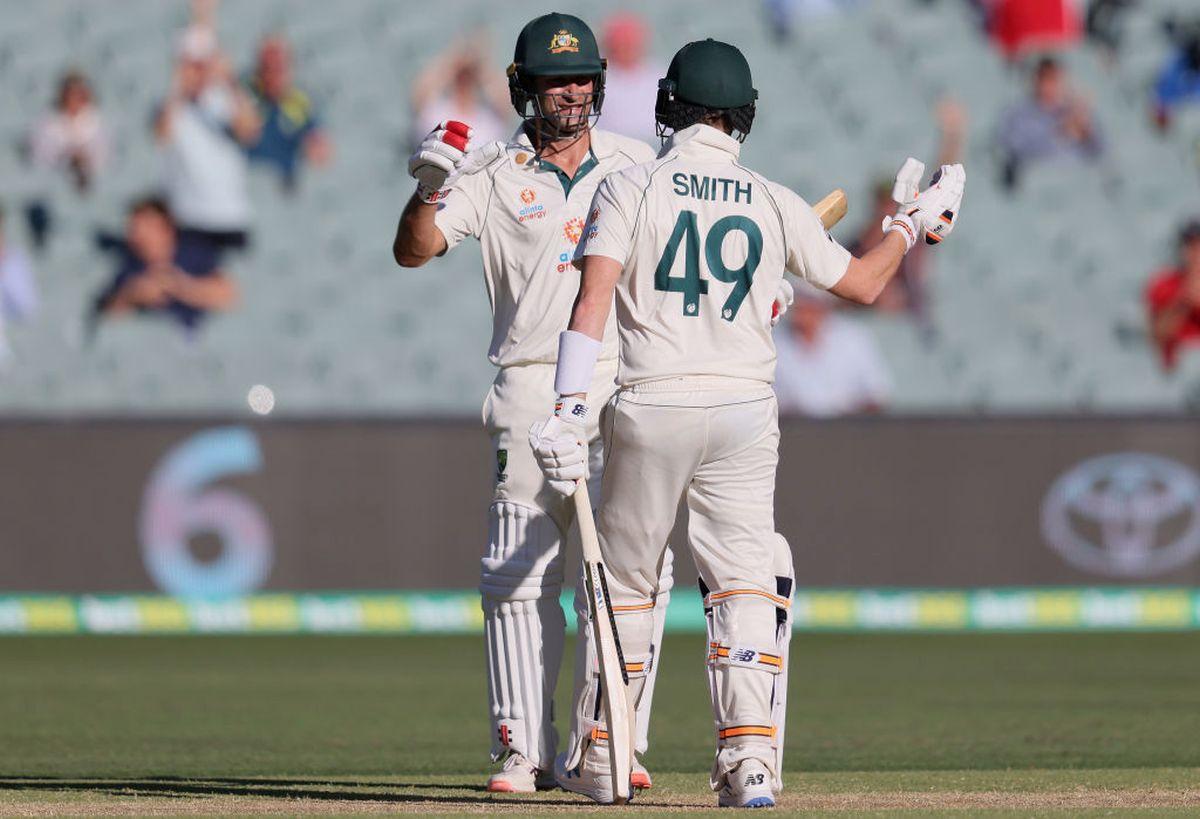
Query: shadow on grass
180	787
301	782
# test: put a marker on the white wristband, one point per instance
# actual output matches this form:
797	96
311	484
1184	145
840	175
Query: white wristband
904	225
431	196
577	354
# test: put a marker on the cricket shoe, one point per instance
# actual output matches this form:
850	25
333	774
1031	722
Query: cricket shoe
639	777
519	775
592	777
747	786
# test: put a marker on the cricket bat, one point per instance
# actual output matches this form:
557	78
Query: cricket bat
614	682
832	208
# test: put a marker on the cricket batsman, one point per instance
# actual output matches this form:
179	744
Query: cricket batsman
526	202
694	245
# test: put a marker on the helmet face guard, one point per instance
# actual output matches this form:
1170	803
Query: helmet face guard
672	114
539	112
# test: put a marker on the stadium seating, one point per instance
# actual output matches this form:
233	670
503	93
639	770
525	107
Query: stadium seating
1036	303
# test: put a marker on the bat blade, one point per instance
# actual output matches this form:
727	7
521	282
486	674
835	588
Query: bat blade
618	709
832	208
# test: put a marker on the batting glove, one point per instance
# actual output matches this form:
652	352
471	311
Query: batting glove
931	213
559	444
783	300
438	156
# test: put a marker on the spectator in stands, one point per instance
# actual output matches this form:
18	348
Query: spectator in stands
1103	24
1021	27
460	84
203	127
1179	82
631	84
1053	125
827	364
72	136
164	271
291	130
906	292
18	289
1173	300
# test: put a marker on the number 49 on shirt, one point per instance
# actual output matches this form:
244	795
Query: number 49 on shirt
690	284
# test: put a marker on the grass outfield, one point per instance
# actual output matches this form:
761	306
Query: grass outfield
967	724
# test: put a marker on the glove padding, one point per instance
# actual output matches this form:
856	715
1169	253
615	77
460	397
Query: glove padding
438	156
560	447
783	300
931	213
908	184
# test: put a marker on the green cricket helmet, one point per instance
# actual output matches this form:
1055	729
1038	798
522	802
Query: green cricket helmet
706	77
555	45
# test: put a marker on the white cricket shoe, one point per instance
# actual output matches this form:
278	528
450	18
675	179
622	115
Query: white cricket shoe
519	775
639	777
592	777
747	786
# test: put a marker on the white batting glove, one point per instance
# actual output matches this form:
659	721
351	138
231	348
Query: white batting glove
560	446
931	213
438	156
908	184
783	300
905	190
938	206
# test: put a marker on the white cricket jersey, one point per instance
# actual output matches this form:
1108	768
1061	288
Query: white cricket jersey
528	217
704	243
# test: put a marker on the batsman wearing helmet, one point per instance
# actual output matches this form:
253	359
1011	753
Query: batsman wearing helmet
694	245
526	201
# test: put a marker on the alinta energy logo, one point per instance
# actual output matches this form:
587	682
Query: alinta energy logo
573	230
1126	515
532	209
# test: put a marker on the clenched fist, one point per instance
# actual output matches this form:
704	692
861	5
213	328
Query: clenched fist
438	156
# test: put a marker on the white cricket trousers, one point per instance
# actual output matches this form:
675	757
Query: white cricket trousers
713	442
521	571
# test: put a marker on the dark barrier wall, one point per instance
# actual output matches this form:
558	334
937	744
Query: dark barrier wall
198	507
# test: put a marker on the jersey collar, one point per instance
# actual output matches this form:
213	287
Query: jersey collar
704	138
521	140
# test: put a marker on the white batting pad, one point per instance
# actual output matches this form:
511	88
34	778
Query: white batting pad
523	630
744	662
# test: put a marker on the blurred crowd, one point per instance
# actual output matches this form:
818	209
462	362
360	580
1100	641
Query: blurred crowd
1053	124
176	260
209	126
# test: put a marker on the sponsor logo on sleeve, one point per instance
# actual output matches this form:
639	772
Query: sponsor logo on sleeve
593	225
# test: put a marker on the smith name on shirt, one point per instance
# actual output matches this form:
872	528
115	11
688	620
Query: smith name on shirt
711	188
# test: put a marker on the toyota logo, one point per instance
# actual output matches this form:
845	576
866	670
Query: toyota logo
1124	515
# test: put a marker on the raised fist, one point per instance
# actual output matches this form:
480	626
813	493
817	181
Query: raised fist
438	156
